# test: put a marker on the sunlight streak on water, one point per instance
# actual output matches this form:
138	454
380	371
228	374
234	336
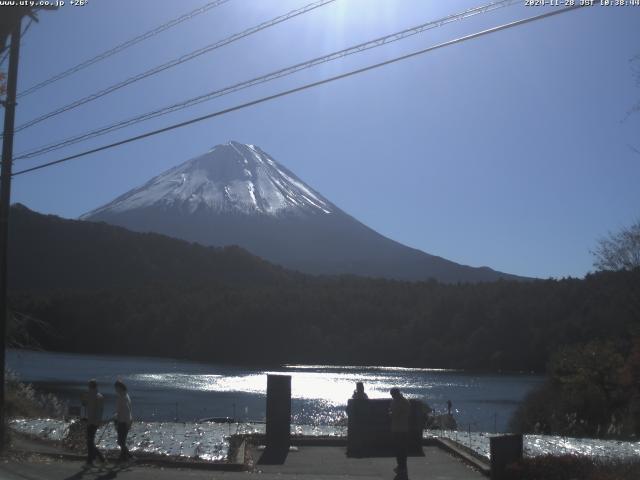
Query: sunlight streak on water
367	367
331	387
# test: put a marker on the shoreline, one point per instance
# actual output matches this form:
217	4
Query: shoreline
287	366
208	443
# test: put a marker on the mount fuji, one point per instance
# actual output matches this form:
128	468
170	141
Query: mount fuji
237	194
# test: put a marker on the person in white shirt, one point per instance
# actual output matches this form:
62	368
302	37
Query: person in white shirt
123	419
94	405
400	409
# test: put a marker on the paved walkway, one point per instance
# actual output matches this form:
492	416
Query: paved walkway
331	462
308	463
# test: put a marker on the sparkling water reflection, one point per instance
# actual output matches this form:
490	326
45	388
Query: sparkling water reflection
535	445
166	390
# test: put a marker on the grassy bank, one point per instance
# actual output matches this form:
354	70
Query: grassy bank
22	400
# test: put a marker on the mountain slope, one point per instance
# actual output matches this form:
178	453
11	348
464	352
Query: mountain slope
48	252
236	194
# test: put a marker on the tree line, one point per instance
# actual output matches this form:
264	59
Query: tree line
490	326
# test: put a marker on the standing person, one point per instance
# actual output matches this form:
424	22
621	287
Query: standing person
448	407
123	418
94	405
358	393
400	409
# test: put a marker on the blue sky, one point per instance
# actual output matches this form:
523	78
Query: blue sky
511	150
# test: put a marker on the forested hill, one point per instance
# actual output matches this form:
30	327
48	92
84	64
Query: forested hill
129	293
48	252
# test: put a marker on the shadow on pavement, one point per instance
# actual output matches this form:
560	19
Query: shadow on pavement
102	472
274	456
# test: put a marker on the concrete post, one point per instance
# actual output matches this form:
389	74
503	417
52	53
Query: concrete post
504	450
278	411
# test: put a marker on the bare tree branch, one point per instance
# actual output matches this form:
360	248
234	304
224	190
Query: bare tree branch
620	250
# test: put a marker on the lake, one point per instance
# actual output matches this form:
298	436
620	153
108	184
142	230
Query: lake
168	390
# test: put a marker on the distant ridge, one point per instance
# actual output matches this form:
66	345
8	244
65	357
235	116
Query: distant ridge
236	194
48	252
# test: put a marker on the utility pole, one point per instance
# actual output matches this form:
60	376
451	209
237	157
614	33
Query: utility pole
10	25
5	199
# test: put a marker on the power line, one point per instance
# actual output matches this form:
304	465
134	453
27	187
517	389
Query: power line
175	62
301	88
122	46
265	78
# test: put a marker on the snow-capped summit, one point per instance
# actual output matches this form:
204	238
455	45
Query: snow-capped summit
236	194
232	177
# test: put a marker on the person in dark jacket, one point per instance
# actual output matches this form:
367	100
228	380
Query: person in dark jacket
400	409
94	405
358	393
